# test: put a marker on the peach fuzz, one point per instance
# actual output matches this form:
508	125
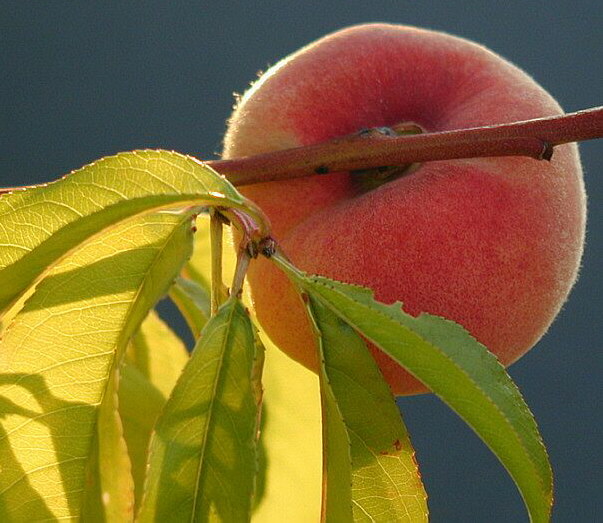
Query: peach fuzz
493	243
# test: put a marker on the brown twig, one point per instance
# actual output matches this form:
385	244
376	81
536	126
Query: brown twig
533	138
361	151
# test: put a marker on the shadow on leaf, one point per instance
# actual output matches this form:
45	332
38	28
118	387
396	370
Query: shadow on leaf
19	499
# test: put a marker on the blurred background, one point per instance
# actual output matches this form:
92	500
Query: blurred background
81	80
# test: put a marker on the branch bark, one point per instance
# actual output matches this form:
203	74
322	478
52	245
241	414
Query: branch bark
533	138
361	151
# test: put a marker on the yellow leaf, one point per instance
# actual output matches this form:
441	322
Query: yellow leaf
57	354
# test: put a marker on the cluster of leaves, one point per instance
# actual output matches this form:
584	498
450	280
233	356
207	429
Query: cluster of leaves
105	416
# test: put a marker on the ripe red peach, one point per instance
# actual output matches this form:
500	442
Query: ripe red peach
492	243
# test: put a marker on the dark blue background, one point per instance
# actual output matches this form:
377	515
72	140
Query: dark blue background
80	80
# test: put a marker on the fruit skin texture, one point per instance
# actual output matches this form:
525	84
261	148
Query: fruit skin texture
493	243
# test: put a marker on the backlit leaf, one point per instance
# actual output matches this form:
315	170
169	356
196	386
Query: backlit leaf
57	354
158	353
140	404
203	455
110	463
290	462
291	437
154	361
193	302
370	462
40	225
458	369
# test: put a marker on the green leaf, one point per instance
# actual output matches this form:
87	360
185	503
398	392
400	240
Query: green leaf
39	226
140	404
113	485
158	353
192	292
288	489
337	459
203	455
57	354
154	362
370	460
458	369
193	302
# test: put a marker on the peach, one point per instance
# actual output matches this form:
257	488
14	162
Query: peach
493	243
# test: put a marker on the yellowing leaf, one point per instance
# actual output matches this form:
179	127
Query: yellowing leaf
158	353
57	354
291	437
109	467
39	226
154	362
140	404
